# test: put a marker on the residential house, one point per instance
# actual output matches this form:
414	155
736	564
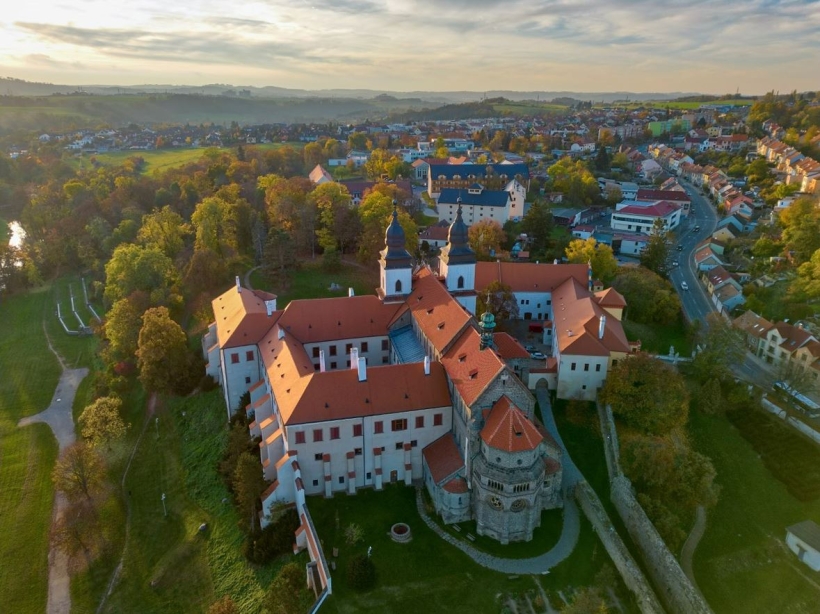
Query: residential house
705	258
640	217
678	197
319	175
725	291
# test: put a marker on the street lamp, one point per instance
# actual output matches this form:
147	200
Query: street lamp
164	511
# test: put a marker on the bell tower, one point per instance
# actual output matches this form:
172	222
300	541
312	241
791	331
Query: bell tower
395	264
457	263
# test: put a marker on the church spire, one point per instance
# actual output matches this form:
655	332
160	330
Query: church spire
457	250
395	254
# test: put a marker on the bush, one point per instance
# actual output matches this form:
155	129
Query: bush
353	534
207	383
361	573
275	539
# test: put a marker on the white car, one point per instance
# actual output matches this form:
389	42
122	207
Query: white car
674	263
684	285
537	356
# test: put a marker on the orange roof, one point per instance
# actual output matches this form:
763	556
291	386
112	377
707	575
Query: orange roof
528	276
440	317
610	298
577	318
241	317
508	348
346	317
508	429
456	486
471	369
443	457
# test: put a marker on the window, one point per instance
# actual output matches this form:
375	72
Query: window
378	427
572	367
419	422
460	283
521	488
357	451
333	364
234	358
495	485
384	345
364	346
317	435
333	350
316	352
586	366
357	430
300	437
319	456
341	479
247	379
249	356
414	443
334	432
597	368
399	425
438	419
367	475
384	360
398	286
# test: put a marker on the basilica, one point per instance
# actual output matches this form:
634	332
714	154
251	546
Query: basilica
411	385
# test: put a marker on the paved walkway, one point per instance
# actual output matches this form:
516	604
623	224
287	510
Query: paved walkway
569	533
58	417
688	551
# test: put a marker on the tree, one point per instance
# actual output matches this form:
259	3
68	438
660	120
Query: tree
588	600
162	352
710	397
147	269
248	484
338	223
287	594
101	422
280	257
720	346
207	273
499	300
650	299
656	251
583	251
122	329
801	228
289	208
166	229
314	154
647	394
223	224
77	529
375	214
486	237
538	225
79	472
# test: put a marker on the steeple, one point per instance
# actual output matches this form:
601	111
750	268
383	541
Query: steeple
457	250
395	264
487	326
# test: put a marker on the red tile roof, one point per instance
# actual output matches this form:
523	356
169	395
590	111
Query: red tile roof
241	317
456	486
577	318
346	317
471	369
508	347
610	298
528	276
659	209
508	429
438	315
443	458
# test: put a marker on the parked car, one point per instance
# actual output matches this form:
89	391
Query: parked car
674	263
684	285
537	355
680	248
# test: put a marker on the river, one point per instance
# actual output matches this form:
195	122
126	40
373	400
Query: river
18	235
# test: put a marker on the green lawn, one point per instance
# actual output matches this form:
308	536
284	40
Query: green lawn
658	338
311	281
28	378
741	564
170	566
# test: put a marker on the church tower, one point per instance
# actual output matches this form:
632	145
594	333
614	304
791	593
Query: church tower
457	264
395	264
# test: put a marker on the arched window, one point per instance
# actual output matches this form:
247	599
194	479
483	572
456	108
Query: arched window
398	286
460	282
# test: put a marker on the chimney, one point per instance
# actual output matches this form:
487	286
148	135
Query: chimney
350	292
281	333
362	365
427	365
321	361
238	284
270	307
601	327
354	357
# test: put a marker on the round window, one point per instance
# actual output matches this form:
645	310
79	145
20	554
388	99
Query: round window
518	505
496	503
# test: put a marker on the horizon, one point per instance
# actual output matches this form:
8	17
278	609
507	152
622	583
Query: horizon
713	48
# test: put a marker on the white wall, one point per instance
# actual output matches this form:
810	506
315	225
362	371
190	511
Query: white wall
238	377
582	382
534	303
810	556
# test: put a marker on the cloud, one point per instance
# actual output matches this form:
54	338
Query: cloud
41	59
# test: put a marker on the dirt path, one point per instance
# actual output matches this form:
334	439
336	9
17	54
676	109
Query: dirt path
149	412
58	417
248	277
688	551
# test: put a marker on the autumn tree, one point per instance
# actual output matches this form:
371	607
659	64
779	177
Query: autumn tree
338	225
102	423
248	485
79	472
656	252
801	228
280	257
650	299
77	529
162	352
122	329
720	346
499	300
583	251
206	273
165	229
486	237
375	214
537	224
288	207
147	269
647	394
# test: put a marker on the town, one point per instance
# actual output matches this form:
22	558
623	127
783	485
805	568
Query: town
560	357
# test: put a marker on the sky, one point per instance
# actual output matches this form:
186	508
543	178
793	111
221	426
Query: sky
709	46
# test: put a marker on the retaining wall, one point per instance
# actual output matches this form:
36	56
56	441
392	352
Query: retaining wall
793	422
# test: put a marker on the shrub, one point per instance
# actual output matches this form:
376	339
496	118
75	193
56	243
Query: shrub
207	383
275	539
353	534
361	573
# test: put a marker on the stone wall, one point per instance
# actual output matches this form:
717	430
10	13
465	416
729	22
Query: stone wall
630	572
677	591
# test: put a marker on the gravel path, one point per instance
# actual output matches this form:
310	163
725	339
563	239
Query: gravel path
58	417
688	551
569	533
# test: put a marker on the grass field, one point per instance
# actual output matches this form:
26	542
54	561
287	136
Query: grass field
658	339
741	564
311	281
28	378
